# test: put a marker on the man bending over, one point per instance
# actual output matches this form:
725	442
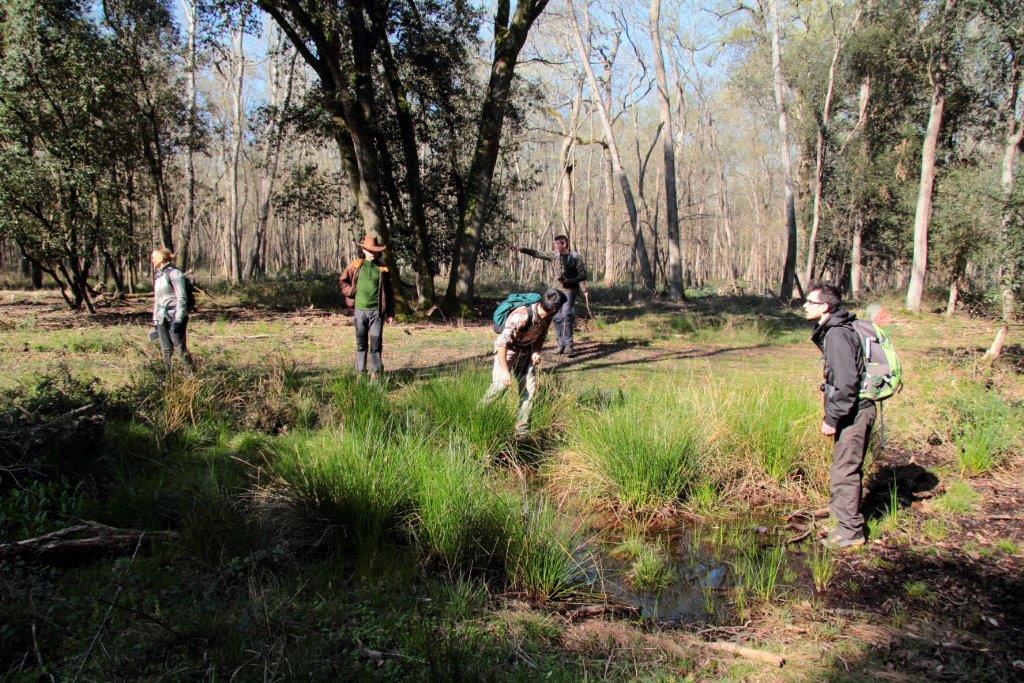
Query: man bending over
517	352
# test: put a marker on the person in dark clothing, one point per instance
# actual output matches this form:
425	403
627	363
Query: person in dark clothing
366	285
573	272
848	418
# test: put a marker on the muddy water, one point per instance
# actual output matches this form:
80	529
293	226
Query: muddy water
692	596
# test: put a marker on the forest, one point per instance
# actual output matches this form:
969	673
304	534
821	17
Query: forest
267	513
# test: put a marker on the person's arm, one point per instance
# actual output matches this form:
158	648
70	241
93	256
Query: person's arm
841	351
542	255
506	375
389	295
346	283
177	279
156	303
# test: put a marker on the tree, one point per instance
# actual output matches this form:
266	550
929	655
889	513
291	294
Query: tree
510	32
70	139
940	25
675	265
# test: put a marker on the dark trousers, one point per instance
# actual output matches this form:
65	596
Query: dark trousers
171	341
369	326
565	317
846	475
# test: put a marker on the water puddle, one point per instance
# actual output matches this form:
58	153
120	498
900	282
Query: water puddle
691	597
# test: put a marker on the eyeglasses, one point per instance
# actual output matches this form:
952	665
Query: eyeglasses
808	302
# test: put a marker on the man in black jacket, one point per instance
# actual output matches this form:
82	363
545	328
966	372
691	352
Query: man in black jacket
848	418
572	273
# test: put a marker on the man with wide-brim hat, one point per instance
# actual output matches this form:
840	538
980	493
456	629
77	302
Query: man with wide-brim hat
366	285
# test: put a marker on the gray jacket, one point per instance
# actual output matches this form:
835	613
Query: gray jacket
169	296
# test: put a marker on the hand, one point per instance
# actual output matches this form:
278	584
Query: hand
390	320
506	379
827	429
535	359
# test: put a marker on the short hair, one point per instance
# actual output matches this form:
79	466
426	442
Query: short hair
562	238
552	300
830	294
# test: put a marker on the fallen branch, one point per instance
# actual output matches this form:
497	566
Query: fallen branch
598	610
78	542
733	649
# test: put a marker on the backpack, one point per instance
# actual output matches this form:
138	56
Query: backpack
511	302
190	289
883	373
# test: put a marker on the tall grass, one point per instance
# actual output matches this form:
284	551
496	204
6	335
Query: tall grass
984	435
376	487
643	455
450	407
776	427
352	483
757	573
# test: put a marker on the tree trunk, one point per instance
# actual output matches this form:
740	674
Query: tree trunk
675	265
819	162
233	251
789	266
610	223
272	155
509	38
639	247
923	212
190	11
1014	139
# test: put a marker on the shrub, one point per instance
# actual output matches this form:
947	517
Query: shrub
547	559
292	291
649	568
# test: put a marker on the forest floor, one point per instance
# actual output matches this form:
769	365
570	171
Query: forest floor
937	593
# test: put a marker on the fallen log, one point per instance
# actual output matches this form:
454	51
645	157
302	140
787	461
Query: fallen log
734	649
79	543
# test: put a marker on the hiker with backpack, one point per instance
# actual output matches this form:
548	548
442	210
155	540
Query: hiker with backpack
572	274
860	369
521	323
172	302
366	285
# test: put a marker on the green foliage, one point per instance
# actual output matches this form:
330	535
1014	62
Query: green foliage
649	568
823	564
774	425
757	571
958	499
38	507
641	460
984	435
290	292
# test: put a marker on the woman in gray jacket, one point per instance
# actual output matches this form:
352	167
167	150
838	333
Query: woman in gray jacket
170	307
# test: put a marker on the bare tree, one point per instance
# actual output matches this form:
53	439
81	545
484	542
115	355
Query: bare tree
675	265
640	249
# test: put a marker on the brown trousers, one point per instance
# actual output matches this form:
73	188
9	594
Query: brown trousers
846	475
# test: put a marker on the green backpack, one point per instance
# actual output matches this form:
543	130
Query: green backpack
883	373
512	302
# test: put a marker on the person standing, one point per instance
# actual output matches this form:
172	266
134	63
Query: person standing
848	418
170	307
366	285
517	353
573	272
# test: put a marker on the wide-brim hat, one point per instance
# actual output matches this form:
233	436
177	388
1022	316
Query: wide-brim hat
371	243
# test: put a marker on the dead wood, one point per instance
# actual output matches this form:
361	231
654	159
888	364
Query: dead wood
79	543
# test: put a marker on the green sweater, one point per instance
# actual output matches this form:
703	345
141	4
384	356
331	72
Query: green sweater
368	287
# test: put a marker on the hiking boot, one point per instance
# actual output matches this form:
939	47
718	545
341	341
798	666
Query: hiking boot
561	350
373	376
837	542
570	351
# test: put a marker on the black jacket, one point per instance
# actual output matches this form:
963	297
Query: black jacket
844	362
